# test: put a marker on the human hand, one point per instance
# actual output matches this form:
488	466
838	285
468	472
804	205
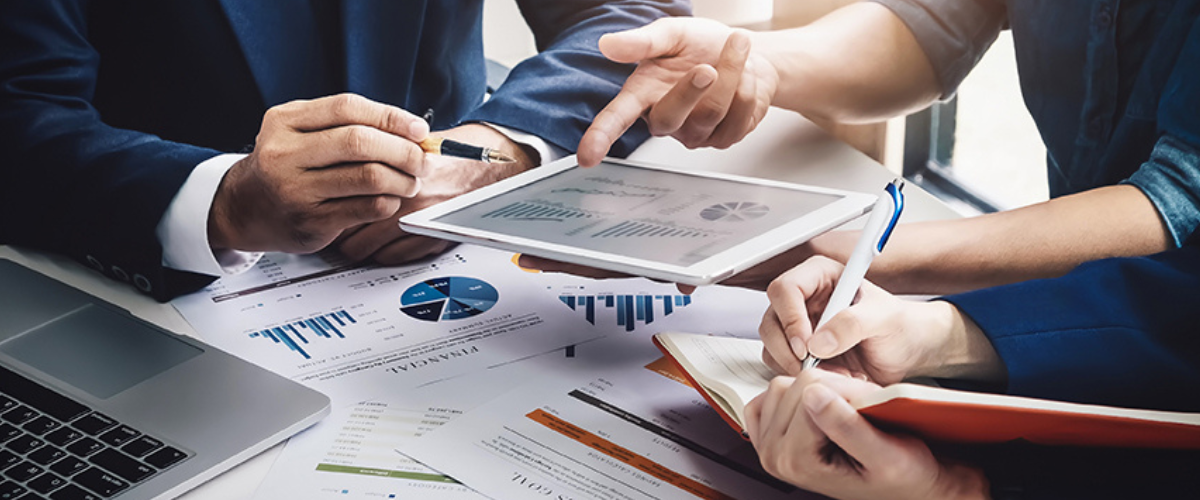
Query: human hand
384	242
808	433
318	167
879	336
697	80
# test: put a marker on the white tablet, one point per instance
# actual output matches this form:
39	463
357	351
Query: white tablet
647	220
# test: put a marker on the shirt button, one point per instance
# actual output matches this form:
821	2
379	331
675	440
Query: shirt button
1104	17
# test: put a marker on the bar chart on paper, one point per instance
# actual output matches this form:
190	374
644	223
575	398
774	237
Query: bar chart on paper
630	309
295	335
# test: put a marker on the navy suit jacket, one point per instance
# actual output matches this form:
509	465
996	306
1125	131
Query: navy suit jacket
107	106
1122	332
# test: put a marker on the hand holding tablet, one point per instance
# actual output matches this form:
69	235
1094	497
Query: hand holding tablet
638	219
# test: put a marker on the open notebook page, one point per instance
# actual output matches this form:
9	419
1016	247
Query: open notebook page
731	369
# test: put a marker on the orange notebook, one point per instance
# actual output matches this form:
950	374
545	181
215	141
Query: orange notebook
729	372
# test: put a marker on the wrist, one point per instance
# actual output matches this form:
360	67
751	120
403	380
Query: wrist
225	218
960	348
776	50
959	481
482	134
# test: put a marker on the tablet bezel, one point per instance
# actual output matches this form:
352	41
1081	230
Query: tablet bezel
708	271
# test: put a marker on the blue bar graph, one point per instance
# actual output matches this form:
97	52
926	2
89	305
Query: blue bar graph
630	310
292	335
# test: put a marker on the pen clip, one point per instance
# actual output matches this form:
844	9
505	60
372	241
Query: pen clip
894	192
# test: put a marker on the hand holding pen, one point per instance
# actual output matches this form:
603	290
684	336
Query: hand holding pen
787	328
874	236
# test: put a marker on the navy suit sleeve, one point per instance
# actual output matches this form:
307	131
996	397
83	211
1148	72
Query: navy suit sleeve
1117	332
556	94
68	182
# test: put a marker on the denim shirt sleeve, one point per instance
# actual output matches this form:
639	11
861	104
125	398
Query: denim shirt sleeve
1171	178
954	34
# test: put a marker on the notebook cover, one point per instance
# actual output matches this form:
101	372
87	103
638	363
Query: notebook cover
980	423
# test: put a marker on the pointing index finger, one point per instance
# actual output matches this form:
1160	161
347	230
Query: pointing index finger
610	123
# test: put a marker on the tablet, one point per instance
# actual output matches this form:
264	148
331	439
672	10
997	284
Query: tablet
647	220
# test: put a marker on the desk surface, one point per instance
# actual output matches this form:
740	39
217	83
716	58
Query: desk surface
785	147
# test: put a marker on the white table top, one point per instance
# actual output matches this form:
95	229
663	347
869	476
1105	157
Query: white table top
785	147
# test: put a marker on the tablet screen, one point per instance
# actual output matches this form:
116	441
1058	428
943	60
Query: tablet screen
660	216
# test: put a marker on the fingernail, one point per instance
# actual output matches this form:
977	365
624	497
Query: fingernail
817	397
703	79
798	347
822	344
419	129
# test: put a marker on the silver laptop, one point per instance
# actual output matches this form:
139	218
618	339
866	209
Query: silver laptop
96	403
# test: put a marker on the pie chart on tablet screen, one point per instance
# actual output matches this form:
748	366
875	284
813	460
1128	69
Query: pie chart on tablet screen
735	211
448	298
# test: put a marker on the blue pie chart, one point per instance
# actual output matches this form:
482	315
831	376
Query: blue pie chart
448	298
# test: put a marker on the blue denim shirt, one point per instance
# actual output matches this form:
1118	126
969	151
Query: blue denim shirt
1113	85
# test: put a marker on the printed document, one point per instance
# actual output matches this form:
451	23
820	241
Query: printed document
356	332
620	424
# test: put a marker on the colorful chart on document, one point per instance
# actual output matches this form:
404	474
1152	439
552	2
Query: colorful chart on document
630	309
448	298
295	335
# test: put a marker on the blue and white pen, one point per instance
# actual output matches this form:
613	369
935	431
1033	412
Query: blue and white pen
874	236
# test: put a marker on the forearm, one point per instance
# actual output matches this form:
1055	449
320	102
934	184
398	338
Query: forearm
860	63
557	93
1116	332
1039	241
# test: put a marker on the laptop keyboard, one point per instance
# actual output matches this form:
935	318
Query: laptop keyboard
53	447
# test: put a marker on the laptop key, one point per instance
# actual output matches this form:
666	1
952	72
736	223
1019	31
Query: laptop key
34	394
100	482
72	492
165	457
31	496
40	425
46	483
24	444
68	466
11	490
85	447
94	423
22	472
141	446
8	431
118	463
63	436
119	436
19	415
7	458
46	455
7	403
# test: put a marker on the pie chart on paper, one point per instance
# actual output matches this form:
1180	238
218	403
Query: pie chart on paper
448	298
735	211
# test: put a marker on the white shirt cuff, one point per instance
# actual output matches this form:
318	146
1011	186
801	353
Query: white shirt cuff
548	152
183	230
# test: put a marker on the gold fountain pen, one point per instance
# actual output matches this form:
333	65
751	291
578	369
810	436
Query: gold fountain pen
448	147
